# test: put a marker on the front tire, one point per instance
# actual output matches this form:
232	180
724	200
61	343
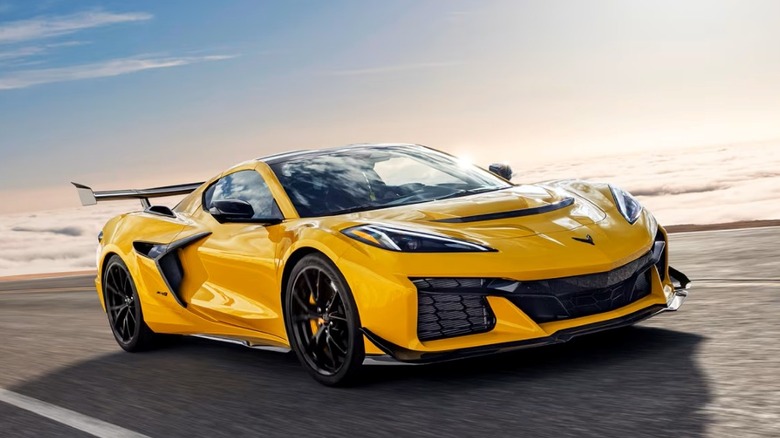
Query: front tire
322	321
123	308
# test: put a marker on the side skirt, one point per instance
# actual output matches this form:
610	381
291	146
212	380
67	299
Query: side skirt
243	343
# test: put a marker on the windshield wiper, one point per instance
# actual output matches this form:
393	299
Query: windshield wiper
355	209
465	192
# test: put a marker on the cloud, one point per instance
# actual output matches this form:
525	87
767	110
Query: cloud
113	67
390	69
676	189
48	27
65	231
21	52
54	241
716	184
67	44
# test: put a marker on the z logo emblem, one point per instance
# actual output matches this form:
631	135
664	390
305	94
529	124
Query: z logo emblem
587	239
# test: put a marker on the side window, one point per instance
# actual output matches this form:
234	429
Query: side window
246	185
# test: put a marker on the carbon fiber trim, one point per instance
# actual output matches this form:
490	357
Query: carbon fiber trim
508	214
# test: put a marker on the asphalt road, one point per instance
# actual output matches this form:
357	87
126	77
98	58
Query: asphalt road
711	369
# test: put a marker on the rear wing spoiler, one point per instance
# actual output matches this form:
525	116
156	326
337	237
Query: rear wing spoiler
91	197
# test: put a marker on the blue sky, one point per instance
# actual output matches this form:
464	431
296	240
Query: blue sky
114	93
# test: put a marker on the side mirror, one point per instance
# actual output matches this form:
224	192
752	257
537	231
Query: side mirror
231	210
502	170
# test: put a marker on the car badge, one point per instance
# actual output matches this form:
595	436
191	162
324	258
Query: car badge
587	239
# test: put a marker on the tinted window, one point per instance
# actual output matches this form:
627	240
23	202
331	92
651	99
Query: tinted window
377	177
246	185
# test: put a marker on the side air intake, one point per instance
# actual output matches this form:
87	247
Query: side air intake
166	257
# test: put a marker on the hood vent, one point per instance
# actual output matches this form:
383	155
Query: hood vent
563	203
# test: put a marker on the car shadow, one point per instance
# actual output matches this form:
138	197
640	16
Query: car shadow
631	382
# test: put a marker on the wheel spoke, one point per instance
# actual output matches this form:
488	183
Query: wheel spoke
126	326
110	280
301	302
332	342
310	316
116	279
119	325
318	337
131	322
120	312
113	290
314	341
329	354
309	285
120	315
338	318
336	297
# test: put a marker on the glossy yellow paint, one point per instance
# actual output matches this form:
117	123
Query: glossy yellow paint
234	278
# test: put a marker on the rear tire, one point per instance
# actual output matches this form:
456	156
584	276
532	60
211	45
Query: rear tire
123	308
322	321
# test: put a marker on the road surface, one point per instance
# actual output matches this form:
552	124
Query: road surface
711	369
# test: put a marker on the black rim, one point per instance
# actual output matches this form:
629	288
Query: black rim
320	324
121	304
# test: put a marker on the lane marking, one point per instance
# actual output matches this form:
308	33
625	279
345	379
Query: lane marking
84	423
46	291
718	284
727	230
737	280
740	412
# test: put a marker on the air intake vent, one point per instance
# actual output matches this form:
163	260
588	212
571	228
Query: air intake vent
661	264
447	315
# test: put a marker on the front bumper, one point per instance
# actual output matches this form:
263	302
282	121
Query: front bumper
395	352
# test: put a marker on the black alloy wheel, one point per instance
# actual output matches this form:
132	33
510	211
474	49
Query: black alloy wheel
322	322
123	308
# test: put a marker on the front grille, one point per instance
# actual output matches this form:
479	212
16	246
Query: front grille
583	295
564	298
457	306
443	315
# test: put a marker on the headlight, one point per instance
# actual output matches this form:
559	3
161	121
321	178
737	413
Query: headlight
396	239
628	205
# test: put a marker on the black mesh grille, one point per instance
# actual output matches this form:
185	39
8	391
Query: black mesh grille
573	297
446	315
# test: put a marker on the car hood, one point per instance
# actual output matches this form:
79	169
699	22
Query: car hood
518	211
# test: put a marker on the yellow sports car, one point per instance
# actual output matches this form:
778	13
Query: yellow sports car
380	253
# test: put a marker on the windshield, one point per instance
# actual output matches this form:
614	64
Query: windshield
365	179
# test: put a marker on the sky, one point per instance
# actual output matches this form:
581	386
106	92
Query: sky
678	102
119	94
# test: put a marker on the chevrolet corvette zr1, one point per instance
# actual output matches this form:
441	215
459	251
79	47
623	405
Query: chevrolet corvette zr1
380	252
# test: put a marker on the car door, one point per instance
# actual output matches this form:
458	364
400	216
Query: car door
238	259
